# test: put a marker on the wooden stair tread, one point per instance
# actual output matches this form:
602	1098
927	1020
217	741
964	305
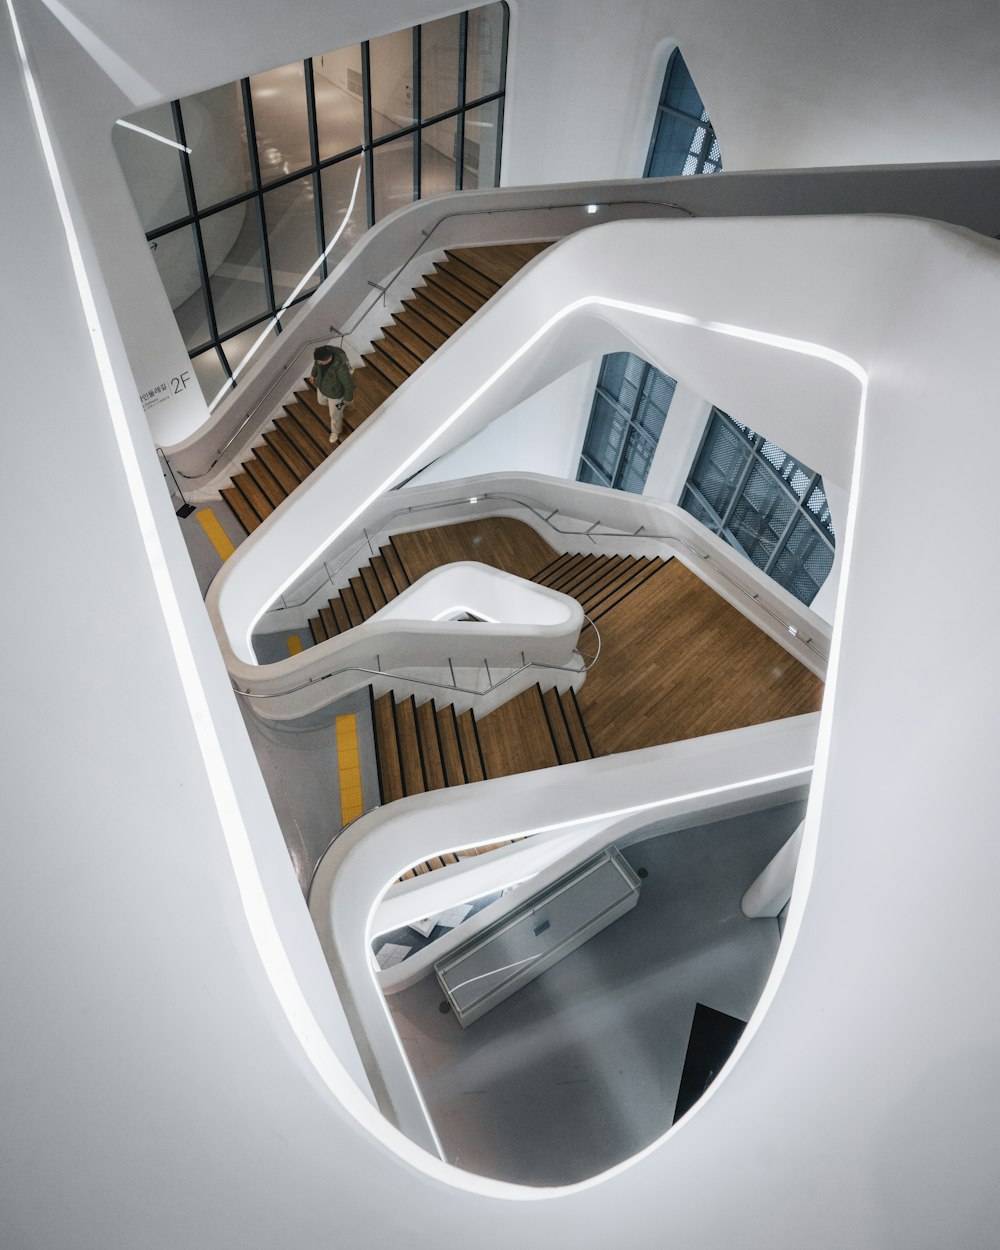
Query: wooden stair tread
575	727
255	497
515	737
430	748
586	573
240	508
269	488
354	613
394	346
619	570
440	298
381	570
329	621
374	587
550	572
567	573
421	329
389	768
382	363
316	629
307	420
612	599
468	740
361	595
299	438
422	303
451	751
409	747
557	727
395	565
460	268
284	447
462	296
415	347
277	468
343	621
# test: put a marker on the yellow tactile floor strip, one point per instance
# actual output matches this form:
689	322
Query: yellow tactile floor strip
217	536
294	644
349	766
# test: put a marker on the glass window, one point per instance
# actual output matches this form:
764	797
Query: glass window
338	185
235	266
629	410
340	112
412	74
153	167
393	176
215	130
440	53
764	502
280	121
683	140
292	241
437	157
237	347
484	54
481	149
176	258
392	80
209	372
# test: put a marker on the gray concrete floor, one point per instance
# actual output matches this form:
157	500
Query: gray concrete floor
299	765
580	1069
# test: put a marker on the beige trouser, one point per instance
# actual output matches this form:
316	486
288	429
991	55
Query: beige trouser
336	407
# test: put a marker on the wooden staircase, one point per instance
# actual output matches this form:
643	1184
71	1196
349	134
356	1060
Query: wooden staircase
598	583
424	747
375	584
456	288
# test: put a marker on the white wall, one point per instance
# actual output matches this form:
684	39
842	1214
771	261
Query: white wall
155	1095
678	445
543	434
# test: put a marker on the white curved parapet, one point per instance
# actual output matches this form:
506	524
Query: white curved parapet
424	642
468	588
555	314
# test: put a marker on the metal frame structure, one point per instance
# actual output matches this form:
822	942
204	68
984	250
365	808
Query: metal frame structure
666	155
789	496
636	432
311	174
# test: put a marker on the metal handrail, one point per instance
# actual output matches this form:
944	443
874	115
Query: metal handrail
641	532
452	686
170	469
384	290
253	411
547	519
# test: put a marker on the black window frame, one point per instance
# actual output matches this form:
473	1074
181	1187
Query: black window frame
255	195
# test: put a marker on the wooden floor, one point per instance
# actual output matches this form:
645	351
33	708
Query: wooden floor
677	661
503	542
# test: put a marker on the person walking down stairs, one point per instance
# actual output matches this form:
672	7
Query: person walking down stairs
331	375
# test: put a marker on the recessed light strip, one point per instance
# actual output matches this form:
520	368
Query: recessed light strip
151	134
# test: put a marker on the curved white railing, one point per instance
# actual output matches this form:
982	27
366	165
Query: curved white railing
423	642
746	767
379	270
601	290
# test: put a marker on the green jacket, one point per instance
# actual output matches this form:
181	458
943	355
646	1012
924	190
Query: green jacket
334	380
